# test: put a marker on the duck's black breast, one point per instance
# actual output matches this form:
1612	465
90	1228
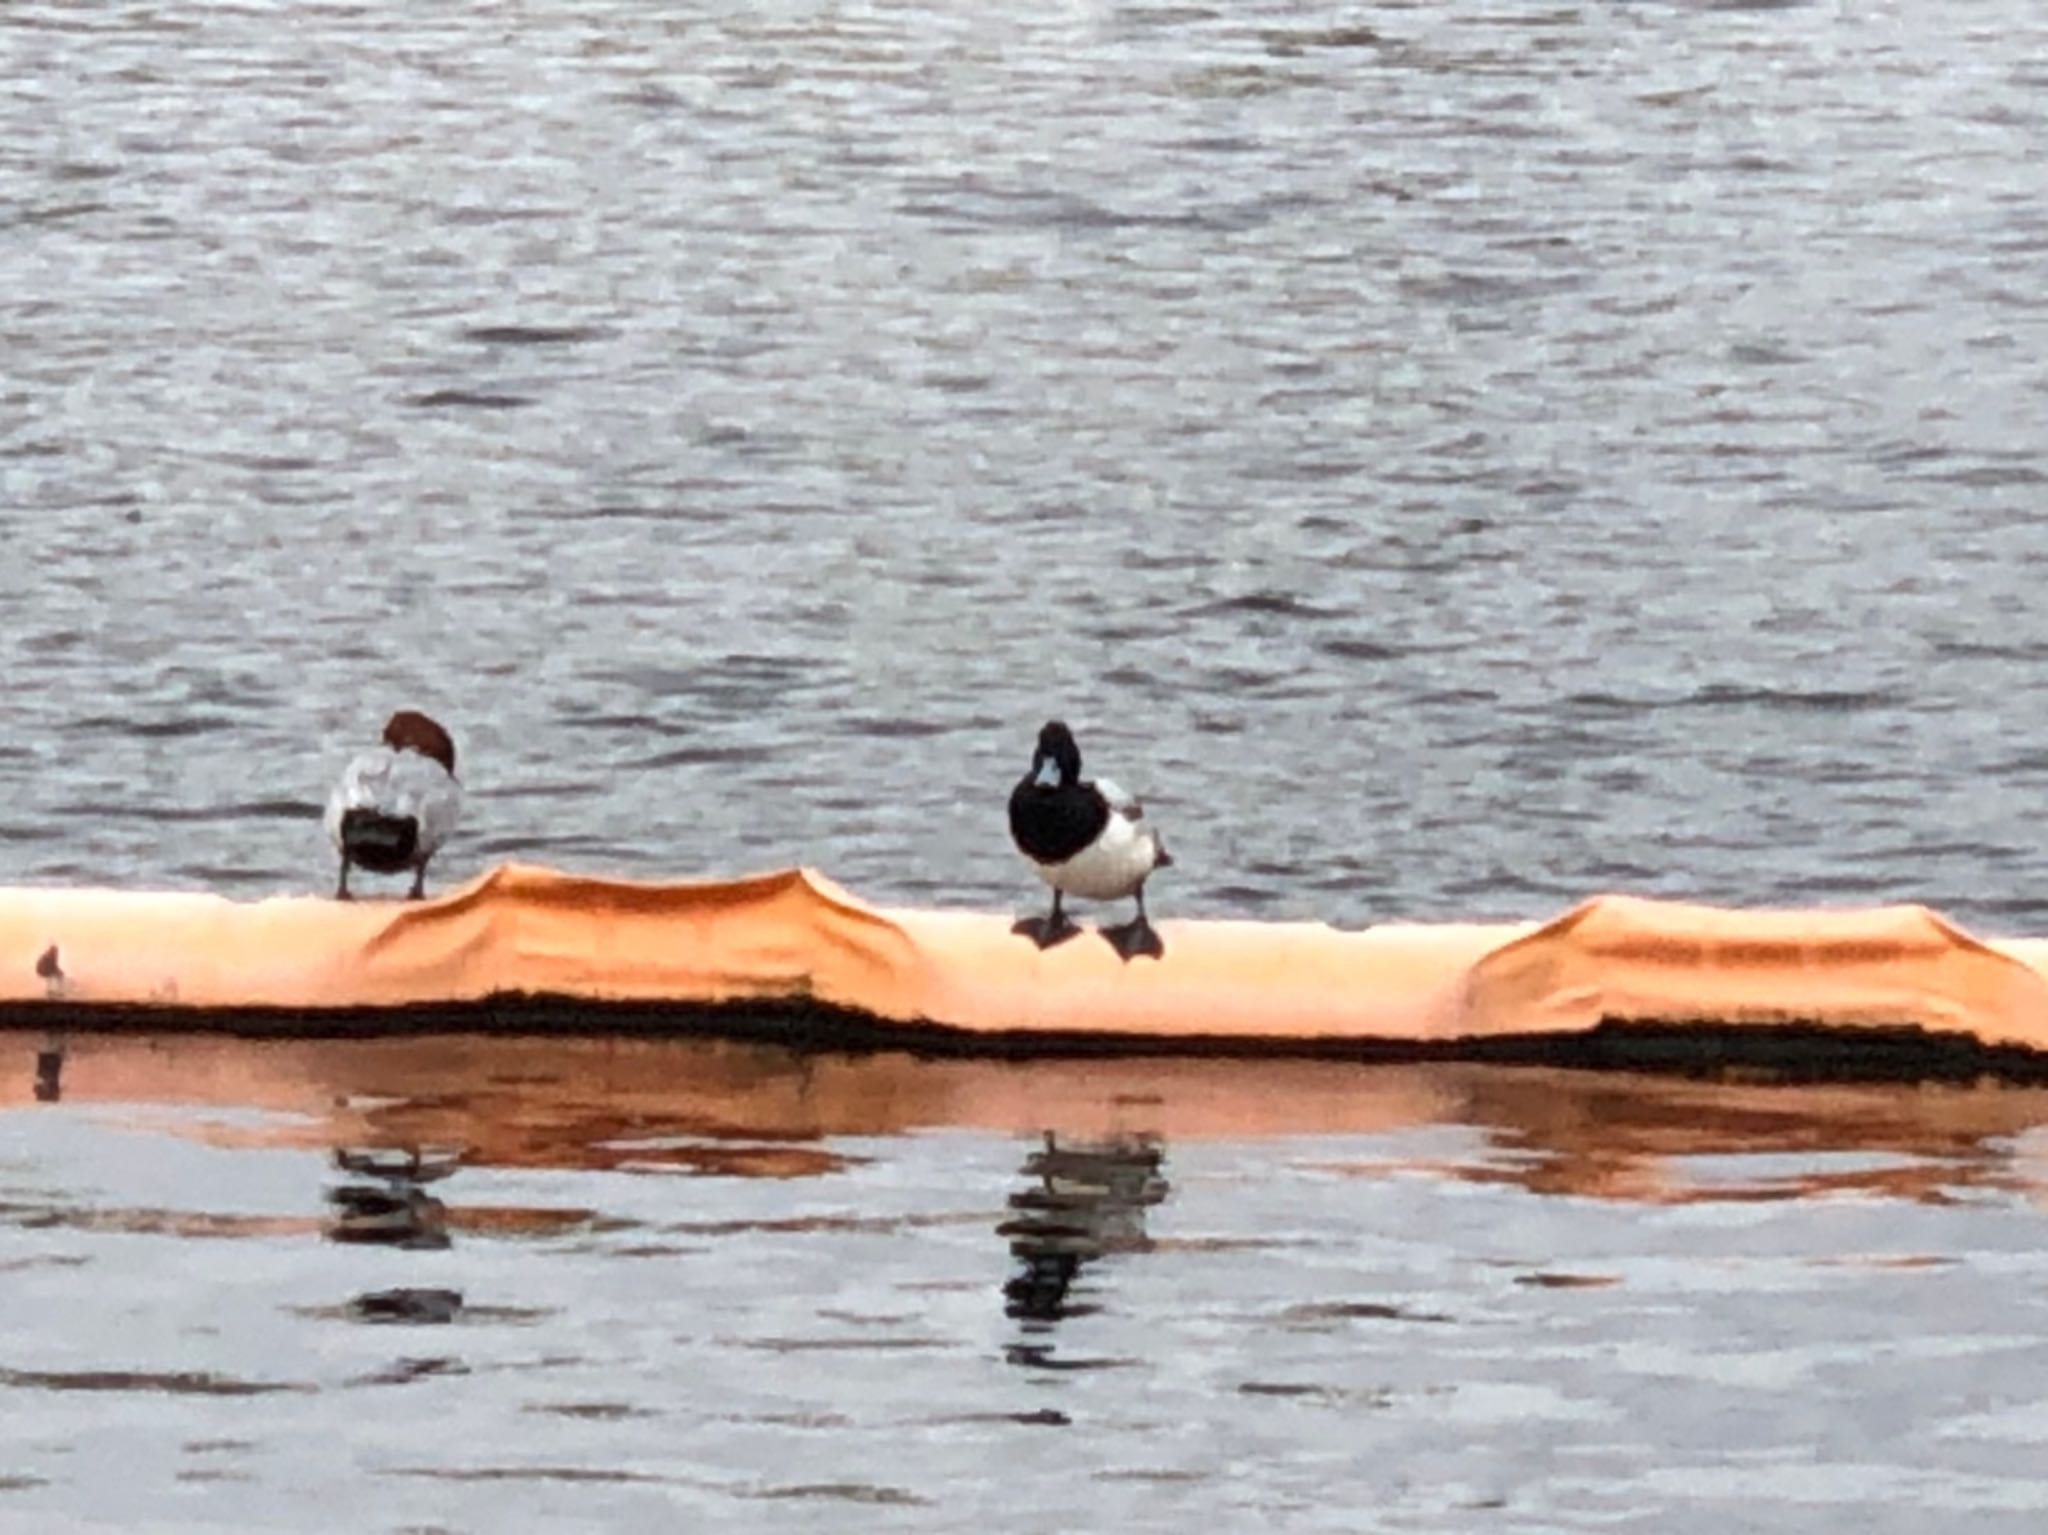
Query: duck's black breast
1052	825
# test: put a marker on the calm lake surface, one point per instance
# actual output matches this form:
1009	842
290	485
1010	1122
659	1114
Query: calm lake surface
687	1284
1448	459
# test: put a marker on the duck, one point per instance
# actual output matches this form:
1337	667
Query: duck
397	803
1084	839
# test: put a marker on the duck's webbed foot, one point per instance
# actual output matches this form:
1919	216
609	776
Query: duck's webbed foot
1046	931
1054	927
1134	938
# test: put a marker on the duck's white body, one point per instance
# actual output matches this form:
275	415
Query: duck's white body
1117	862
402	785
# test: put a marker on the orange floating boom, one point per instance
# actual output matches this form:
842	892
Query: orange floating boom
682	957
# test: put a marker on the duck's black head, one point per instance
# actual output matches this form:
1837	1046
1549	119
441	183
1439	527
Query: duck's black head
1057	762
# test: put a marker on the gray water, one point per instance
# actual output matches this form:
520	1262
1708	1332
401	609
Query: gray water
1448	460
715	1286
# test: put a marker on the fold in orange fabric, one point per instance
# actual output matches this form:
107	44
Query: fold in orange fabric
795	937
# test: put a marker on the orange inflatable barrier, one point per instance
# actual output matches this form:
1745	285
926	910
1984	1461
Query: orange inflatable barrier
793	955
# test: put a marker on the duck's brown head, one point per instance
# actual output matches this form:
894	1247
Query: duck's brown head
410	730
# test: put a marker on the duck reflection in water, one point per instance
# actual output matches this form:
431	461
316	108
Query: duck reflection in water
1085	1200
50	1058
50	1073
388	1205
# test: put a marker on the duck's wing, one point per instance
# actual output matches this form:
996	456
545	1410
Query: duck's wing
1125	807
420	787
364	785
1119	801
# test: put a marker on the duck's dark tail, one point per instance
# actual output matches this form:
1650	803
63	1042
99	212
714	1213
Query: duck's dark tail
1161	859
383	844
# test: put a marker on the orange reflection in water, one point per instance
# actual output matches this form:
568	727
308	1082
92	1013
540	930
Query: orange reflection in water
1641	1138
715	1106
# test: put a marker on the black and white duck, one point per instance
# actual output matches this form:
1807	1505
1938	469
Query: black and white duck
1085	839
